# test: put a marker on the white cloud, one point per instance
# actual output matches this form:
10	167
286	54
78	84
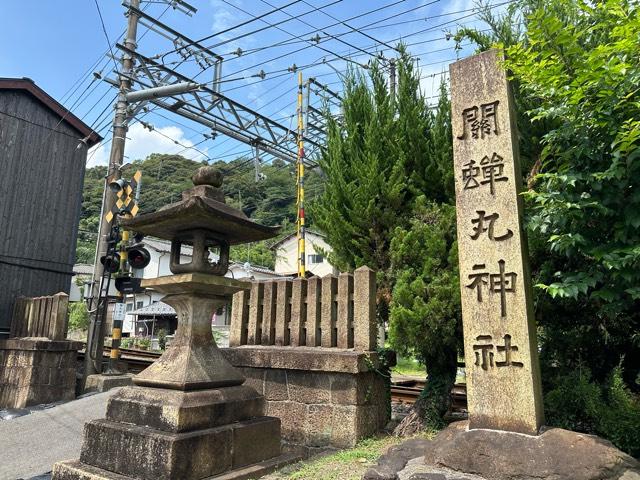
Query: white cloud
142	142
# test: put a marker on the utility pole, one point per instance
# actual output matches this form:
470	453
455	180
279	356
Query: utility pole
95	340
392	79
256	163
300	183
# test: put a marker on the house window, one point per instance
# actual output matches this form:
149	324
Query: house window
139	305
315	258
129	307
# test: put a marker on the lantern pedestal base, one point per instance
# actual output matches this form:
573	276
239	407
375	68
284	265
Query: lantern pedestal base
153	433
189	417
193	360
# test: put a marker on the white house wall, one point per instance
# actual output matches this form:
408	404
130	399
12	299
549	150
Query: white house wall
287	256
159	267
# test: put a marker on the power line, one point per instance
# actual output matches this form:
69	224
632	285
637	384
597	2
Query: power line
311	42
242	24
395	39
366	48
38	124
290	42
104	30
354	29
373	46
315	9
80	100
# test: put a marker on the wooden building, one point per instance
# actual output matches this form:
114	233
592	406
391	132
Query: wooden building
43	150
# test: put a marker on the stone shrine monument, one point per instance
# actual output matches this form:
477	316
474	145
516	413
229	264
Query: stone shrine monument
189	416
501	353
504	438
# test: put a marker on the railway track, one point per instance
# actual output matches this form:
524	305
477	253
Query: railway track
137	360
408	391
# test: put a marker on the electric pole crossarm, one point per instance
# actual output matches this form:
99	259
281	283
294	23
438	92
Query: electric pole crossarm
174	33
229	113
158	92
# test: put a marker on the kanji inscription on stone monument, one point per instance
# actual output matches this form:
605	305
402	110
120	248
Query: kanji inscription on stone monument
501	354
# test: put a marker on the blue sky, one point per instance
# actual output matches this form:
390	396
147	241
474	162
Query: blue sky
58	43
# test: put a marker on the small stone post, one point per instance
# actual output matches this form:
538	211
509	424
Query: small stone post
269	314
364	309
501	353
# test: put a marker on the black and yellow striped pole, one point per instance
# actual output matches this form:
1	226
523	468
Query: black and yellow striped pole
300	184
119	310
127	205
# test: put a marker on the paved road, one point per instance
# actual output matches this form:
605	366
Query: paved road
33	443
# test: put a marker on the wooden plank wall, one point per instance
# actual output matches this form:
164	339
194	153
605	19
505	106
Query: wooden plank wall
41	181
330	312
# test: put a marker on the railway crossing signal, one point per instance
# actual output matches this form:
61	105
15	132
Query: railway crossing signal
127	196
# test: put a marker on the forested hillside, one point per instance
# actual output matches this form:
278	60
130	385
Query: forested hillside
270	201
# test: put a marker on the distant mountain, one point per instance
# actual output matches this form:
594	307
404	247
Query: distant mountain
270	201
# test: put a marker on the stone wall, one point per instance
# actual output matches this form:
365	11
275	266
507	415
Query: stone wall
36	370
323	397
308	345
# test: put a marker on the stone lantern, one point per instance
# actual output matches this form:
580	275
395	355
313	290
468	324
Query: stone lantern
188	416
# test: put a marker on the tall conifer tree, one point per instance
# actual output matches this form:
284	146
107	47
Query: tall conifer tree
377	161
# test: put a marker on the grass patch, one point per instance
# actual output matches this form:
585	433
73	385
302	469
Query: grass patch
409	366
347	464
343	465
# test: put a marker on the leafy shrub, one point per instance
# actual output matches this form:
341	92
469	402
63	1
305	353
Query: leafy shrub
78	316
610	411
143	343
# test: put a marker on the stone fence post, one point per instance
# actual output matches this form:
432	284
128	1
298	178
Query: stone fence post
40	317
331	312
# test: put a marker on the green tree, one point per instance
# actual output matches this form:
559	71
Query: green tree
388	167
376	162
581	64
270	201
586	202
78	316
575	70
426	319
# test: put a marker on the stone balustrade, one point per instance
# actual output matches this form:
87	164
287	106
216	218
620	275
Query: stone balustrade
331	312
40	317
308	346
37	364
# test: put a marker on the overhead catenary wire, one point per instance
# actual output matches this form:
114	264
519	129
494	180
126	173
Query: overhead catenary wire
316	44
357	30
375	10
369	47
344	33
234	27
376	46
314	31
